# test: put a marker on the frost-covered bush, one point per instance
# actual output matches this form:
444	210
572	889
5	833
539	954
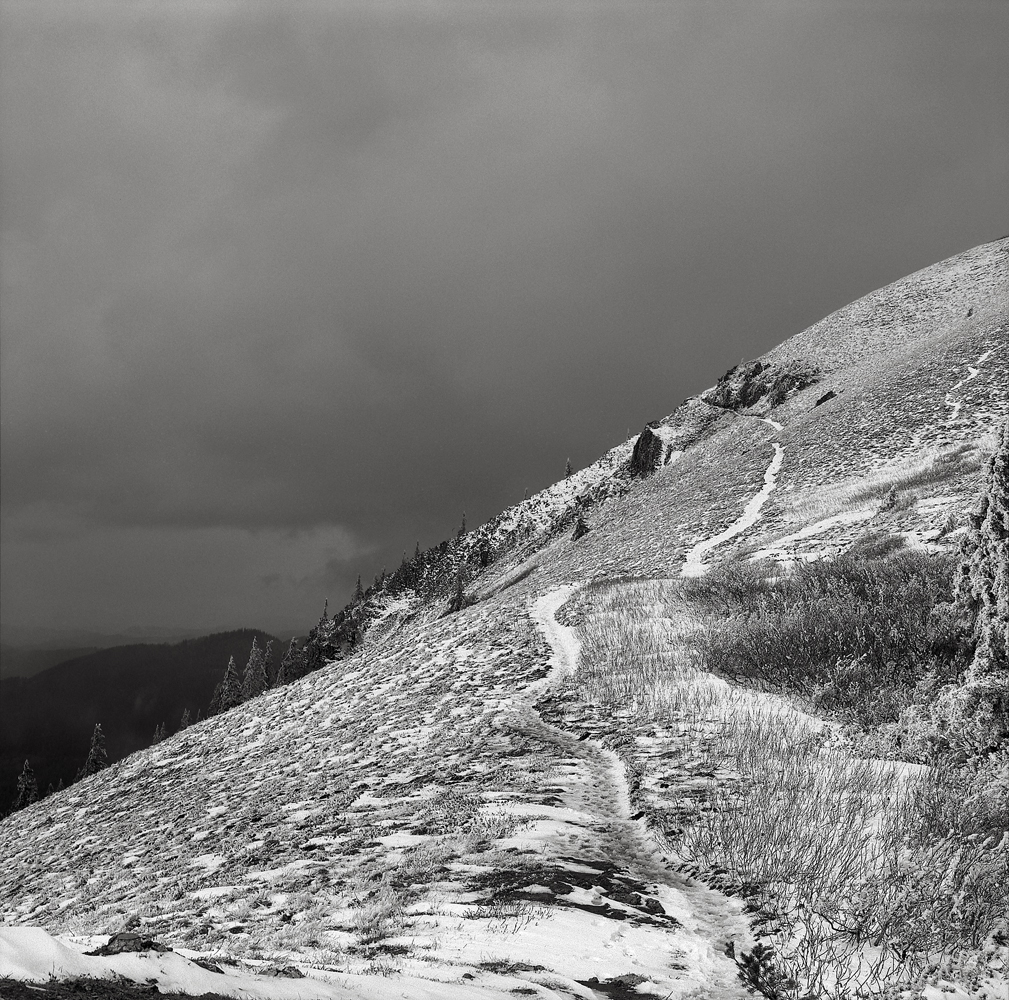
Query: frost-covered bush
858	634
972	717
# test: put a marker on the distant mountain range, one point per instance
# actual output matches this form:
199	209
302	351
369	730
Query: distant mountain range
48	718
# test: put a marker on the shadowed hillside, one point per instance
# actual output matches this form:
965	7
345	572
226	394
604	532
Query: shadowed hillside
48	718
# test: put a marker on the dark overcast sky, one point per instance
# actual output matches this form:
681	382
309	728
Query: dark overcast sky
288	287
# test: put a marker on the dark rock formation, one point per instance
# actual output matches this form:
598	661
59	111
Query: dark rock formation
745	385
128	941
647	454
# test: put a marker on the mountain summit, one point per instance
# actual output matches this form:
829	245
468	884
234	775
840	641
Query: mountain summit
561	766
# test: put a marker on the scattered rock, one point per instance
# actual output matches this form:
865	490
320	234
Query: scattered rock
282	972
204	963
126	941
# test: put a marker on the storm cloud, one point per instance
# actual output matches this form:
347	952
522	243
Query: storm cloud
286	288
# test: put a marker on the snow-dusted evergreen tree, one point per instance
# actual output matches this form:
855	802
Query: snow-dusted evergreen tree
255	681
567	469
186	720
581	528
228	693
292	666
97	757
983	581
974	716
28	787
458	601
159	734
267	660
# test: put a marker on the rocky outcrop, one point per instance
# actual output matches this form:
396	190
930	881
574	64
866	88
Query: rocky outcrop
647	455
746	385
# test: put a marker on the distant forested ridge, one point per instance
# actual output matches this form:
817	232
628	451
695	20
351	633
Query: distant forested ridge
49	718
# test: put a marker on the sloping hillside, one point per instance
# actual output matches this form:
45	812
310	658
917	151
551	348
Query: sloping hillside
507	799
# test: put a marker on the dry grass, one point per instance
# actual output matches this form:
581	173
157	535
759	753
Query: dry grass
864	874
937	466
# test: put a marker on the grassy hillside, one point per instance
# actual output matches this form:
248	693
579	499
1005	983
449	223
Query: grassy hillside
668	756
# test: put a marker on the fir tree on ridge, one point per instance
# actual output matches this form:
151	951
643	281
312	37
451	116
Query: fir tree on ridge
28	788
292	666
254	681
97	756
228	693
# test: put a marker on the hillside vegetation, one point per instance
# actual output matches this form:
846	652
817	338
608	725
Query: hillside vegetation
724	712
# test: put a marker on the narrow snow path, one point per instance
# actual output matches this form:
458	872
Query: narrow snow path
780	548
563	641
704	920
972	372
694	565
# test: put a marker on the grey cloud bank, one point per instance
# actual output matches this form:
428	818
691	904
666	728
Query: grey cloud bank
286	288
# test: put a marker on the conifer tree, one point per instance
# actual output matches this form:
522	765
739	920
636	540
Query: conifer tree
458	599
974	716
28	788
159	734
983	581
255	681
567	469
50	790
581	528
292	666
228	693
97	757
462	527
186	722
268	660
358	592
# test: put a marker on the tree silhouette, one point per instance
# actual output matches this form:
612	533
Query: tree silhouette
228	693
567	469
255	681
292	666
186	721
97	757
581	528
458	601
28	788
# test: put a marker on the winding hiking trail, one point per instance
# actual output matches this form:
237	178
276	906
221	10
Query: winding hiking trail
972	372
694	564
682	944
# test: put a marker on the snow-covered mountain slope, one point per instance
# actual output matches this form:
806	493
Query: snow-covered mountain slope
423	809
